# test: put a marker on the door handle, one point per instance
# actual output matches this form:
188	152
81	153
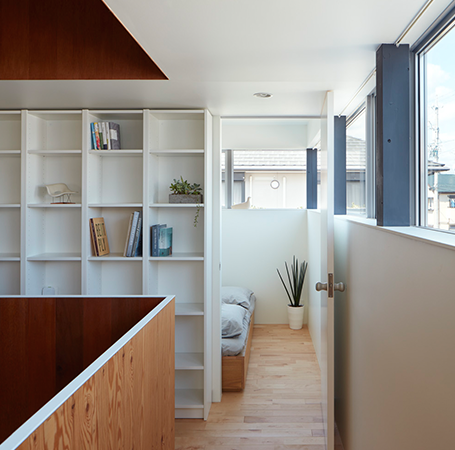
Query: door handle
321	286
339	286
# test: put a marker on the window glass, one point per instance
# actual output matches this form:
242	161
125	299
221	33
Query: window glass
270	178
356	161
440	133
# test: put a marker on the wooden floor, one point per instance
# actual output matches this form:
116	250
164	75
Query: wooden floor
280	407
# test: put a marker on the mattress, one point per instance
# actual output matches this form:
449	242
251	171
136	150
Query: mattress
233	346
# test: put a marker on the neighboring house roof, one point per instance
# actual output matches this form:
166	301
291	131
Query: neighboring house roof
434	166
446	183
294	160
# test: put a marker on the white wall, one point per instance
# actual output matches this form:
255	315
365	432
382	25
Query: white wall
395	341
254	244
264	133
314	276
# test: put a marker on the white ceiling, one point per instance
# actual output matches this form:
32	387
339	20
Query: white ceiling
217	53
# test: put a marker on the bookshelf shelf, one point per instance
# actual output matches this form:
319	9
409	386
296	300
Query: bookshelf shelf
183	152
176	205
189	309
55	257
10	153
115	205
179	257
55	152
10	257
54	205
189	361
113	153
10	205
189	398
115	257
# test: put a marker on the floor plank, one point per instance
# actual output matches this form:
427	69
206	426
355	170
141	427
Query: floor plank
280	408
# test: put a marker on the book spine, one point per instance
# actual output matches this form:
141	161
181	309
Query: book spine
93	236
104	136
97	136
136	236
153	246
114	135
127	240
132	234
139	245
108	136
92	129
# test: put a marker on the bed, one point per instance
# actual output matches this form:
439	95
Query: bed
237	311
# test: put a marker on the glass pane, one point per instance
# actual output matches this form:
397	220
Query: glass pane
223	180
440	134
271	178
356	166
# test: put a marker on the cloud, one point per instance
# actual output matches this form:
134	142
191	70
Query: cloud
436	76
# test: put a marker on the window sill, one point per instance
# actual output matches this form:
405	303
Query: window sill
427	235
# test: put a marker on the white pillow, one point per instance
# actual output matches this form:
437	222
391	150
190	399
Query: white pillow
236	295
232	320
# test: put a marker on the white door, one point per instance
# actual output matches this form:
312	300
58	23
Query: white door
326	206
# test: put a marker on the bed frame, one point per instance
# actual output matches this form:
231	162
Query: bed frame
235	368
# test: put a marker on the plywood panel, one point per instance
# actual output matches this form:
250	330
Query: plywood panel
39	358
54	40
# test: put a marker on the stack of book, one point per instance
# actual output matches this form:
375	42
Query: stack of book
133	243
105	135
161	240
99	236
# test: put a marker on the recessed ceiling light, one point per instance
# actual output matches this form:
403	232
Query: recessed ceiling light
262	95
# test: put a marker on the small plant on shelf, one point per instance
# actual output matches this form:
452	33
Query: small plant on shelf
184	192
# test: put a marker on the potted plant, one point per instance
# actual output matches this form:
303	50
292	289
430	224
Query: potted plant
184	192
296	279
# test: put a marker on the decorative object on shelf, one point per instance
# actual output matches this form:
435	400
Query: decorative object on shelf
99	236
61	192
184	192
296	279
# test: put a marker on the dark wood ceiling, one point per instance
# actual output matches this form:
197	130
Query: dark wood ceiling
69	40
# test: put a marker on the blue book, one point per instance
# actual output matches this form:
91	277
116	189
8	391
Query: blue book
92	129
154	238
165	242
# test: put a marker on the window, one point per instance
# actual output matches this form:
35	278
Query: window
270	178
436	100
356	163
360	144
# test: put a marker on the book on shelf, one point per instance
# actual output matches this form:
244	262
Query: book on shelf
105	135
114	135
154	238
133	243
99	236
165	242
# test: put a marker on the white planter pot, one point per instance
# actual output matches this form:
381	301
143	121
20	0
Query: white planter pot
295	316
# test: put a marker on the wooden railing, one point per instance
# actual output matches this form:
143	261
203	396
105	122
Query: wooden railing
93	372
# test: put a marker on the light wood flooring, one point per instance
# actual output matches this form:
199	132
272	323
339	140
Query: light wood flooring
280	408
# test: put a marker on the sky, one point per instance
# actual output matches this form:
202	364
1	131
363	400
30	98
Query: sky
441	94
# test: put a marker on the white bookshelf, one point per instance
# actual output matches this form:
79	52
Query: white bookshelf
44	244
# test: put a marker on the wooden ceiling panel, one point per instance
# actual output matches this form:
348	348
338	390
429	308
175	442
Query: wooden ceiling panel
69	40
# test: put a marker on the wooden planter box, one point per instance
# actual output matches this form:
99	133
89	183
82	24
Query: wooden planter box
182	198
